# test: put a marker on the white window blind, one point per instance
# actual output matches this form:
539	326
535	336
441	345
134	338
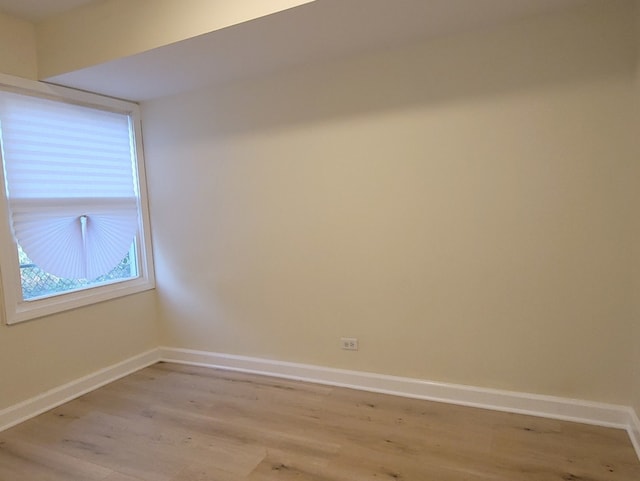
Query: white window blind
71	184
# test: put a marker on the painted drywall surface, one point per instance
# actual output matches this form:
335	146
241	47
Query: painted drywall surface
17	47
635	201
45	353
112	29
460	207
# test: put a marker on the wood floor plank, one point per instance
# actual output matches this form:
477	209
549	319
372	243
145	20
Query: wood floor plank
121	477
172	422
18	457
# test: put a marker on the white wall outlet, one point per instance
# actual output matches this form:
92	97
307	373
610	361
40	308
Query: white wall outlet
349	343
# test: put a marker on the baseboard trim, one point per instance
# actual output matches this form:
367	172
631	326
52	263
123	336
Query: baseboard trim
55	397
634	430
600	414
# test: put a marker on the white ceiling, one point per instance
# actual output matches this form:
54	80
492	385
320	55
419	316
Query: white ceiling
314	32
35	10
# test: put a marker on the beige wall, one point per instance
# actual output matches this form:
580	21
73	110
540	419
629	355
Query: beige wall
17	47
112	29
461	207
44	353
465	208
635	175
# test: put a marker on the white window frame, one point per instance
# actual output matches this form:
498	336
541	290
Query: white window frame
15	308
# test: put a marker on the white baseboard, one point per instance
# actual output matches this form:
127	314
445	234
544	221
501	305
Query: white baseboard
600	414
634	431
55	397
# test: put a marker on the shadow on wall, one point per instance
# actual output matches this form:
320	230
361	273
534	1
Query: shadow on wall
589	43
333	199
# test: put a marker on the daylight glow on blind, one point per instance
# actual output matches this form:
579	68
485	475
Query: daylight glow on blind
71	184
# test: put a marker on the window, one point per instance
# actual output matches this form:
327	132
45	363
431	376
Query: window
74	206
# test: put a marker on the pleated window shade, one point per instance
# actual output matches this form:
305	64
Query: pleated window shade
71	184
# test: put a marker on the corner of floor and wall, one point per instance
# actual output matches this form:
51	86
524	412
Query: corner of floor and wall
466	207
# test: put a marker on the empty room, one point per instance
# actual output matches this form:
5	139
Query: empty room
246	240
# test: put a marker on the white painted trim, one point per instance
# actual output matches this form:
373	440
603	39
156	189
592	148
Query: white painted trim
634	430
600	414
55	397
16	309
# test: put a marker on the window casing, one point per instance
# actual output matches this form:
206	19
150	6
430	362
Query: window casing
134	273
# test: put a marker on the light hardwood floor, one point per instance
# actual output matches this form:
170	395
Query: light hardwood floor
179	423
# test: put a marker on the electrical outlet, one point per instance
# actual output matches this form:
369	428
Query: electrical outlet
349	343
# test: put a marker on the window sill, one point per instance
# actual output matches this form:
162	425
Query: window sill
28	310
